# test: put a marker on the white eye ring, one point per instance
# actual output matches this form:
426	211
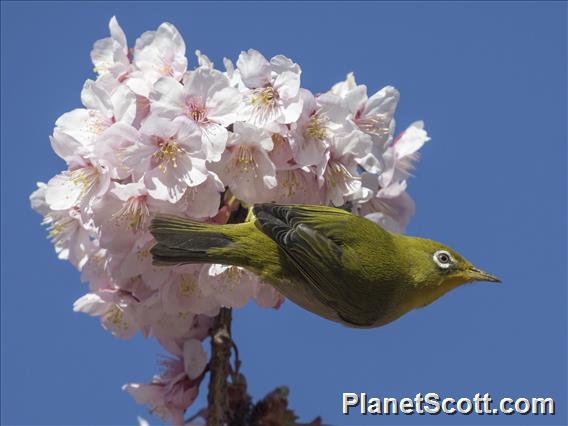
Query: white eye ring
443	259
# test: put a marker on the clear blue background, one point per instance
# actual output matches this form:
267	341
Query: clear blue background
489	79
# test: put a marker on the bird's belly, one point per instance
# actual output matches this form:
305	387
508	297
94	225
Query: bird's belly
301	294
389	304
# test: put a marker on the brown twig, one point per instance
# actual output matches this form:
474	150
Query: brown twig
219	368
235	371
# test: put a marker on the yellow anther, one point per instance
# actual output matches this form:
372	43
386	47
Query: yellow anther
245	160
266	96
167	154
315	128
134	213
187	285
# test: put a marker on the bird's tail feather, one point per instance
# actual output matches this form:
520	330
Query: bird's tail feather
182	240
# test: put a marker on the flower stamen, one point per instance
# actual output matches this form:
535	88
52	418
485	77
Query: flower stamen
97	123
134	212
337	174
290	182
115	317
187	285
167	70
245	160
197	112
377	125
167	154
58	226
86	178
265	96
315	128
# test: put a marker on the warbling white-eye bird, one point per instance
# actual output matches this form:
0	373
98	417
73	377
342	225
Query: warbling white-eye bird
337	265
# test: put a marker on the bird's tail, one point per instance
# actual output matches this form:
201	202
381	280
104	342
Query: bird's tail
182	241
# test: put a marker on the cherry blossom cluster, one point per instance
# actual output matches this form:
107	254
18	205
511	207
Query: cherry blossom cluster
156	137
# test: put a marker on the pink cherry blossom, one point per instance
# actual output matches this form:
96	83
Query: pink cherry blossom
161	53
172	391
207	99
246	166
71	237
154	137
168	157
110	55
230	285
273	95
116	309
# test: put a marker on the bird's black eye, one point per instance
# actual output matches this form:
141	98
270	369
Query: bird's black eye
443	259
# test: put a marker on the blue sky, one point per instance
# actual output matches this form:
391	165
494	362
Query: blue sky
489	79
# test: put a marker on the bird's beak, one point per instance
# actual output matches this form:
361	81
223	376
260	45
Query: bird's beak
479	275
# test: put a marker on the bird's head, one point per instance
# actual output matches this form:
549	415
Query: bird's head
436	265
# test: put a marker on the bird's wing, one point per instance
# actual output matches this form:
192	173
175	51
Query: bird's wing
311	237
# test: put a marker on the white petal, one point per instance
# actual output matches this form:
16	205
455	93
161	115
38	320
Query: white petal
341	88
411	140
37	199
167	36
167	98
116	32
158	126
202	83
125	191
91	304
214	138
203	200
267	296
254	69
203	60
164	186
93	96
63	192
188	134
371	163
382	102
223	106
287	85
356	98
194	358
291	112
124	104
309	152
332	107
355	143
281	63
68	148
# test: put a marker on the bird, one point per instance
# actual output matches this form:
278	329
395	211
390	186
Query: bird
333	263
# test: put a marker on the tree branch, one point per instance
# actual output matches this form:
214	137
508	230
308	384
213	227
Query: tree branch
219	367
